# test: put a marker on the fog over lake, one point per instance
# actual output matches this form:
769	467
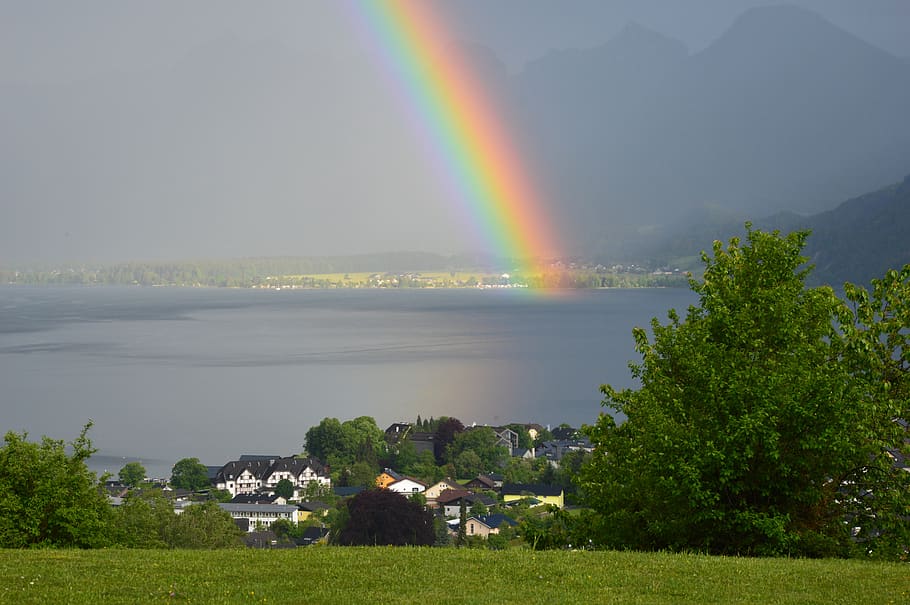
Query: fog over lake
171	373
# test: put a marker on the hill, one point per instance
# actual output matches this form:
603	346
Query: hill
857	241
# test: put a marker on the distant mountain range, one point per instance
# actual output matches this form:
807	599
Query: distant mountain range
857	241
783	112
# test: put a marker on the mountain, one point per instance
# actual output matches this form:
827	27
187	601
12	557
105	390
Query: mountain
783	112
856	241
862	238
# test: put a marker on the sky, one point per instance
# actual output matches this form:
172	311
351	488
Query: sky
139	130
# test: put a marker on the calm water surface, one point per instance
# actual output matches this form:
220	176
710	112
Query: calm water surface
170	373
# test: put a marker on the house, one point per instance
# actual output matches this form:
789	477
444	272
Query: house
261	515
258	499
432	492
481	482
397	432
301	472
450	501
492	481
407	486
313	535
565	433
524	453
546	494
507	438
387	478
485	525
305	510
554	450
423	442
260	539
258	474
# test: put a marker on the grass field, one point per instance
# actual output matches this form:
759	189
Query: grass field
437	577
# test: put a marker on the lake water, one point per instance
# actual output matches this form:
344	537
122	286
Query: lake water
215	373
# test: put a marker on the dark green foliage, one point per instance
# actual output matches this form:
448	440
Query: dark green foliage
50	498
148	520
557	529
748	423
285	489
190	474
132	474
382	517
445	434
461	539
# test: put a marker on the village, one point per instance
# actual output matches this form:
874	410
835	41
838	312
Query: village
289	501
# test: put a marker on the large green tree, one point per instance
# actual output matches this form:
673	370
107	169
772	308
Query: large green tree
341	444
749	424
132	474
877	347
475	450
143	520
189	473
48	497
203	525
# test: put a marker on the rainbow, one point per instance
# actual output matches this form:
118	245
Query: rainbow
483	168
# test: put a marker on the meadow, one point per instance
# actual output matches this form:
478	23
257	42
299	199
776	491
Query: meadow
439	576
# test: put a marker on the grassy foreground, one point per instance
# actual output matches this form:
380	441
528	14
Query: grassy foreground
438	576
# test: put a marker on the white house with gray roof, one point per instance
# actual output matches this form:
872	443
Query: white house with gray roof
261	515
251	475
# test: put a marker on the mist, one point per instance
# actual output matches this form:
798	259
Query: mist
153	131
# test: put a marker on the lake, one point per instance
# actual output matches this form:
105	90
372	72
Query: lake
167	373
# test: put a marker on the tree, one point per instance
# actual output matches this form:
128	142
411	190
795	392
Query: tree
132	474
285	489
325	440
143	520
462	538
445	434
877	335
343	443
382	517
283	529
49	498
203	525
748	425
190	474
476	451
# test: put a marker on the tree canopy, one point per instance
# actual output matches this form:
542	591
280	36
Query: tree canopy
341	444
132	474
382	517
189	473
753	424
49	497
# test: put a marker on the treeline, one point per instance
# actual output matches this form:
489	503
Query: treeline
393	269
220	273
319	274
49	497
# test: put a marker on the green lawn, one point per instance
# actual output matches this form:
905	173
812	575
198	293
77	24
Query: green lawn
436	576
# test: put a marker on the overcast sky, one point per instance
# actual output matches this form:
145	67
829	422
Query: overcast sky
113	143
